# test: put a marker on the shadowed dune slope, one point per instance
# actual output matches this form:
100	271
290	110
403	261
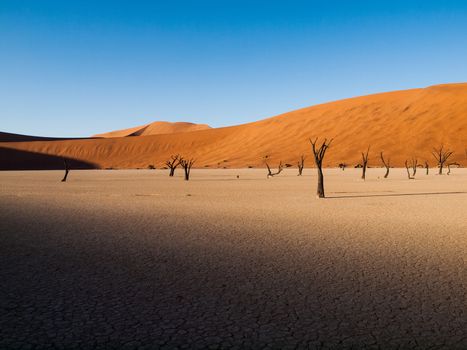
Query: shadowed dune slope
155	128
9	137
403	124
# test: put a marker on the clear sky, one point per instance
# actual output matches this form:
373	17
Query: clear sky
75	68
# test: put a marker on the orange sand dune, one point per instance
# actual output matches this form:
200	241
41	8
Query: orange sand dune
155	128
9	137
403	124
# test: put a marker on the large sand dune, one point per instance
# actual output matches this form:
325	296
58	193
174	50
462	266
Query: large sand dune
156	128
403	124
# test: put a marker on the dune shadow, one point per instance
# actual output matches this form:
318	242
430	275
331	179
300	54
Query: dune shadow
396	194
15	159
9	137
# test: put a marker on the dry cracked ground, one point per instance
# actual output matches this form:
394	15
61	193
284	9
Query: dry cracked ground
138	260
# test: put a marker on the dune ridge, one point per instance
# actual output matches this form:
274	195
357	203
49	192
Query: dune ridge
403	124
155	128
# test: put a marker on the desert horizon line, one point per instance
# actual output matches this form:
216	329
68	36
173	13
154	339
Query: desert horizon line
166	120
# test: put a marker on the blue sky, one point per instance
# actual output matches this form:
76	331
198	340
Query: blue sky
75	68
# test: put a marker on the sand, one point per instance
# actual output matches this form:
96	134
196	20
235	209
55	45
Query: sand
155	128
136	259
403	124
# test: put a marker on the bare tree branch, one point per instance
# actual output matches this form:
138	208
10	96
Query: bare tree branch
187	164
441	157
173	163
449	167
279	169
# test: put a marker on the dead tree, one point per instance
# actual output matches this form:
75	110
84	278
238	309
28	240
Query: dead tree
449	167
318	153
365	162
173	163
414	166
427	167
342	166
67	170
408	171
441	155
279	169
387	164
301	165
187	164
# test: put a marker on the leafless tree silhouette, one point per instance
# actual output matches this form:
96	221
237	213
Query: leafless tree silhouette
279	169
301	165
427	167
342	166
318	153
386	164
67	170
414	166
441	155
408	171
365	162
449	167
187	164
173	163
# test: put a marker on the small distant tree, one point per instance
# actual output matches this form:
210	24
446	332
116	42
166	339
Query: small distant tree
441	155
173	163
386	164
187	164
65	163
427	167
318	153
270	173
414	166
342	166
365	162
408	171
301	165
449	167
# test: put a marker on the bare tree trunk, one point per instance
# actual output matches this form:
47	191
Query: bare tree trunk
408	171
279	170
301	165
427	167
65	163
386	165
319	156
320	189
414	166
365	163
187	164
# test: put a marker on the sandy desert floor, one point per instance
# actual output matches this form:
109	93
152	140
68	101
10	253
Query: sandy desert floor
138	260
